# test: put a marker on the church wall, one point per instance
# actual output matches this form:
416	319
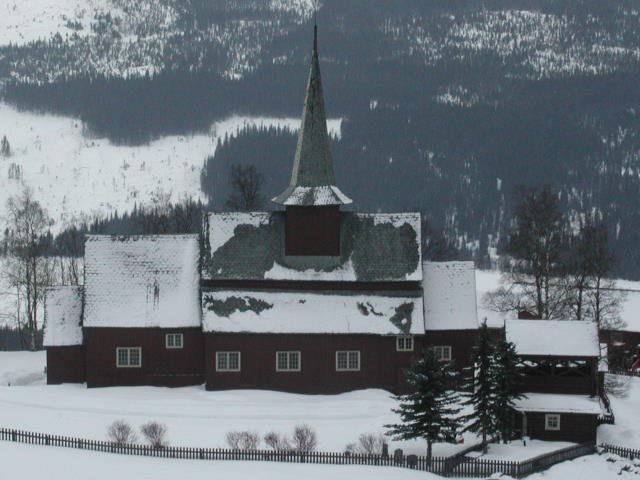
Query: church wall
160	365
460	341
312	231
380	364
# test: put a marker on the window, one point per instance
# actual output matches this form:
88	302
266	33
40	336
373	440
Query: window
227	361
404	344
288	361
173	340
552	421
443	353
347	361
128	357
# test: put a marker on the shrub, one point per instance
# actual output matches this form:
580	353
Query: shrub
370	443
121	433
155	433
243	440
277	441
350	449
304	439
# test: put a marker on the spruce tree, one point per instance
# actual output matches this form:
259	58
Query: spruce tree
5	148
482	384
430	411
507	388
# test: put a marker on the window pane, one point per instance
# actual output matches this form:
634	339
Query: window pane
177	341
222	361
353	360
134	357
234	360
169	340
342	360
294	360
122	357
282	360
408	343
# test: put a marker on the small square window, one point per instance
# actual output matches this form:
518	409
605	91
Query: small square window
404	344
173	340
552	421
288	361
442	353
348	361
227	361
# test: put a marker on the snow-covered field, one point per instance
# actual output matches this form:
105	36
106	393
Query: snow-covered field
73	175
198	418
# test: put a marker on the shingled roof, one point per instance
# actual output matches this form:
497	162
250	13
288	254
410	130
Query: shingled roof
313	182
141	281
374	247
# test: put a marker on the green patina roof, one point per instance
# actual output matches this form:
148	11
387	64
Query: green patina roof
373	248
312	179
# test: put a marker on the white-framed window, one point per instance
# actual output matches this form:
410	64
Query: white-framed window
552	421
128	357
348	361
173	340
442	352
287	361
404	343
227	361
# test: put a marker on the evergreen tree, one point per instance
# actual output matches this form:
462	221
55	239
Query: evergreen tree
482	383
5	148
506	383
430	411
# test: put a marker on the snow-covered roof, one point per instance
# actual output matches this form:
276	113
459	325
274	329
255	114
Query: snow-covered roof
449	295
373	247
392	313
565	338
558	403
141	281
63	316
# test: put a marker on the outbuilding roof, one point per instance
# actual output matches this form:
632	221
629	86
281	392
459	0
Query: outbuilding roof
385	313
563	338
63	316
374	247
558	403
449	295
141	281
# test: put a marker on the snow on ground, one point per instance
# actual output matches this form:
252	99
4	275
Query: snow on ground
194	416
74	175
625	402
55	462
24	21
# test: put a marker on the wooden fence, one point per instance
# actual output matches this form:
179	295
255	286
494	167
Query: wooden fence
621	451
626	373
455	466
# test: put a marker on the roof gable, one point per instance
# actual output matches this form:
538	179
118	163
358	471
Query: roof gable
63	316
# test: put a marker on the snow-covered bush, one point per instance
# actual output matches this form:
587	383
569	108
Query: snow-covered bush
304	439
243	440
121	433
155	433
277	441
350	449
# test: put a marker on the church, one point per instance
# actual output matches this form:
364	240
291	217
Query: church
309	297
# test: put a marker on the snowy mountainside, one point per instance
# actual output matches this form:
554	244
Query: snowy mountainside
75	176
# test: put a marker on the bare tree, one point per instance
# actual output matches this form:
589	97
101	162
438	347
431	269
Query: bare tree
246	184
155	433
5	148
369	443
29	271
277	441
121	433
304	438
244	440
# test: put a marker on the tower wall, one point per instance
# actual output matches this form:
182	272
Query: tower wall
312	231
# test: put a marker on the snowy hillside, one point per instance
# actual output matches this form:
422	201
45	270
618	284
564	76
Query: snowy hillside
74	175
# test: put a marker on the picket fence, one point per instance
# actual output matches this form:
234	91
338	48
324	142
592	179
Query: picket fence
621	451
458	465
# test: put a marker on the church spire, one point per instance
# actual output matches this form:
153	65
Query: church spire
313	182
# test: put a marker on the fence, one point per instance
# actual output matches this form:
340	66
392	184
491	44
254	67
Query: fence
627	373
456	466
621	451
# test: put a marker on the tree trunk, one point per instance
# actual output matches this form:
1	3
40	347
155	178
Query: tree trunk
429	451
485	447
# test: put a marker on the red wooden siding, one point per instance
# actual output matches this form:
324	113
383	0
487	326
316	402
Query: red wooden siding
65	364
380	364
574	427
312	231
461	342
160	366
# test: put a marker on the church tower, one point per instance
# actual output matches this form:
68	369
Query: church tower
312	200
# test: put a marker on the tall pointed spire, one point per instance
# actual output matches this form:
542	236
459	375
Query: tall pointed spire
313	182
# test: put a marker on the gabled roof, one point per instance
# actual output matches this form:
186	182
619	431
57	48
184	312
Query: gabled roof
374	247
63	316
558	403
313	182
562	338
255	311
449	295
141	281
